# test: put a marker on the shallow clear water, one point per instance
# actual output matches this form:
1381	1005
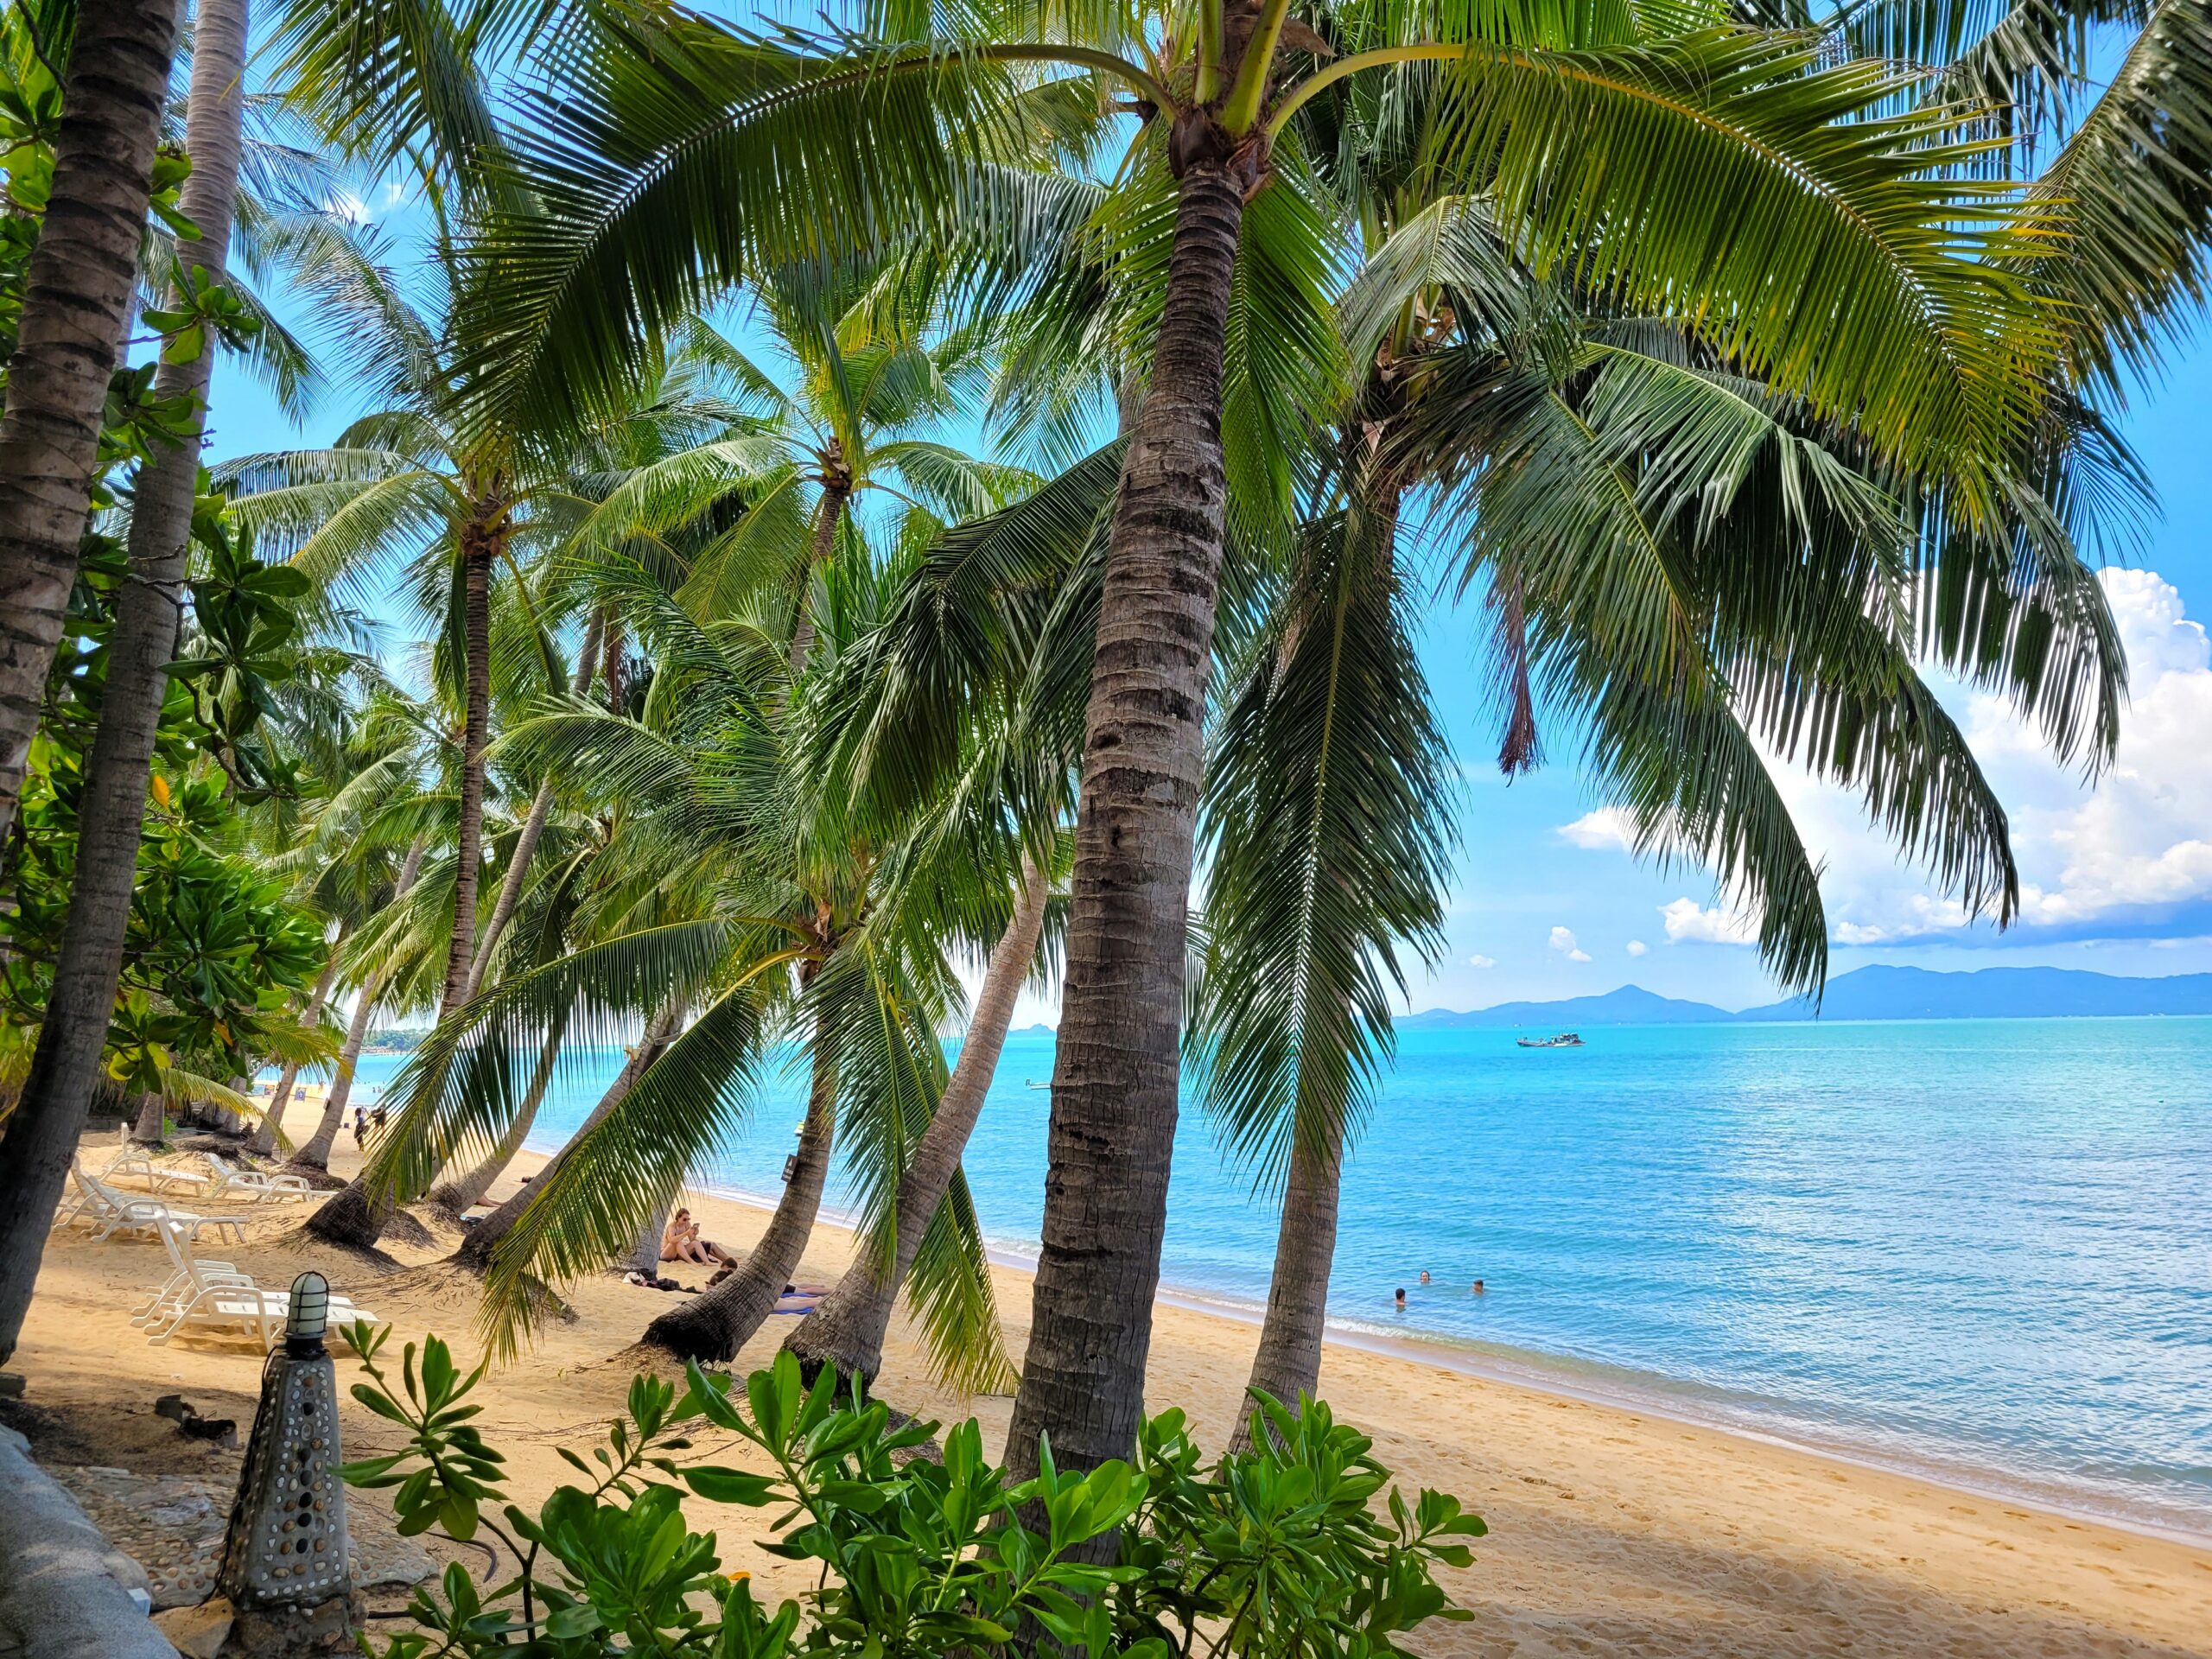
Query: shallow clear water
1983	1248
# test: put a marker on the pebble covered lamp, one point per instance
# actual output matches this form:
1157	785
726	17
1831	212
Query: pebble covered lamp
287	1546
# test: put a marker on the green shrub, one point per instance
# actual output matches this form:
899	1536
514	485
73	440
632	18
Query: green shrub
1274	1554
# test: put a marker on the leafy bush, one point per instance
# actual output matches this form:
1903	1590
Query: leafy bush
1278	1553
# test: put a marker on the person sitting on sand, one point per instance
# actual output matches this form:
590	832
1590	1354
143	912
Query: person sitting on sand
682	1242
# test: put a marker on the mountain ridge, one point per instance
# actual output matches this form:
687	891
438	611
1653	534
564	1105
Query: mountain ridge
1880	992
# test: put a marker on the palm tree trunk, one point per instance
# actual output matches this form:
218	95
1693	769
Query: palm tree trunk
58	1093
76	310
827	515
712	1327
314	1159
479	545
475	1251
263	1143
1115	1078
845	1332
461	1196
1289	1362
152	1111
533	828
644	1249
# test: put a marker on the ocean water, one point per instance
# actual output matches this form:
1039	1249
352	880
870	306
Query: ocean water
1978	1250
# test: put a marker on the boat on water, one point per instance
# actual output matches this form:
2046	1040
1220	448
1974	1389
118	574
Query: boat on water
1032	1082
1564	1039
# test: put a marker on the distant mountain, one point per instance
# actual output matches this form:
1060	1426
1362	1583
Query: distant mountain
1631	1005
1876	993
1993	994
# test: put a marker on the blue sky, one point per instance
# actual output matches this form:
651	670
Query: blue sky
1547	903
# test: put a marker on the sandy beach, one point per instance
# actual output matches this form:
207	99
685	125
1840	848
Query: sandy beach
1611	1531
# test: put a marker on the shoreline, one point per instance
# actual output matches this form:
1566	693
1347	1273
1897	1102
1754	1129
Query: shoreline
1555	1375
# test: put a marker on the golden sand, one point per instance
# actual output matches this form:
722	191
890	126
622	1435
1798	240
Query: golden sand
1611	1531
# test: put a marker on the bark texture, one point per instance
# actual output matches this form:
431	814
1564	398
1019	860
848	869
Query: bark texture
479	543
76	308
314	1157
58	1092
712	1327
147	1130
262	1142
845	1332
827	515
1289	1358
644	1249
475	1251
1115	1077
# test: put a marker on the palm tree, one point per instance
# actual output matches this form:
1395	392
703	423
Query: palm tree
1710	168
77	305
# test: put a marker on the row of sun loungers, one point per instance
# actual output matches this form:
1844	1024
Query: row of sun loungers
200	1297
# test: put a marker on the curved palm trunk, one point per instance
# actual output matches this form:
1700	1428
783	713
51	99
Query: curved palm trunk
314	1157
644	1254
1117	1075
147	1131
58	1093
476	1249
479	543
712	1327
462	1196
845	1332
262	1142
827	515
533	829
76	310
1289	1359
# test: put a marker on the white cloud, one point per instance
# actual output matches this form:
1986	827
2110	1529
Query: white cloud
2141	837
1609	826
1563	942
344	204
1690	923
1637	947
1480	961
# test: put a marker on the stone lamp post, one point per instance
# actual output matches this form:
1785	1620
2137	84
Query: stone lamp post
286	1572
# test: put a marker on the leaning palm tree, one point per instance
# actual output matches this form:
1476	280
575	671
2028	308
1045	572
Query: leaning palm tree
1677	162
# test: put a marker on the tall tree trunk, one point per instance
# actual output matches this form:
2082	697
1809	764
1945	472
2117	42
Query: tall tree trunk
1117	1075
845	1332
644	1249
478	546
152	1112
263	1143
475	1251
314	1159
533	828
76	310
827	515
1289	1358
58	1093
461	1195
712	1325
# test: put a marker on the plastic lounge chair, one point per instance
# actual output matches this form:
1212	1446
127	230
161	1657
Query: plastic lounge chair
113	1212
252	1185
206	1298
138	1165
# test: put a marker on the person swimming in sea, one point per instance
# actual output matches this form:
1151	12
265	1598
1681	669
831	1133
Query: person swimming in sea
1424	1276
1475	1289
1401	1298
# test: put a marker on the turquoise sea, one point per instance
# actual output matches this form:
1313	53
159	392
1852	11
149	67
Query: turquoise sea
1977	1250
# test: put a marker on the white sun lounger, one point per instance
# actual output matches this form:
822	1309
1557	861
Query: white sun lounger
213	1298
138	1166
111	1211
252	1186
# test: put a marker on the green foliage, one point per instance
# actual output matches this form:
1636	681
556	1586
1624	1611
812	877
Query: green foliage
1274	1553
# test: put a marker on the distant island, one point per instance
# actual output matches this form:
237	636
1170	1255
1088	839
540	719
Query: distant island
1879	993
397	1040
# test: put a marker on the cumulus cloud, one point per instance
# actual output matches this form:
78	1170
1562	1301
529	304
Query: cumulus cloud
1480	961
1637	947
1609	826
1688	922
1563	942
